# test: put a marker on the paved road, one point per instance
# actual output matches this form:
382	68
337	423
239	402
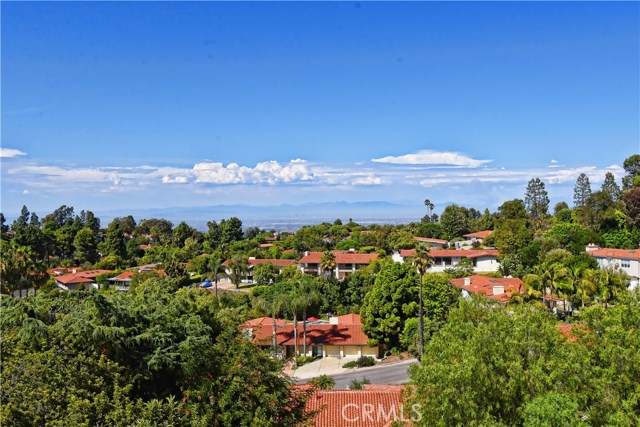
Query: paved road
396	373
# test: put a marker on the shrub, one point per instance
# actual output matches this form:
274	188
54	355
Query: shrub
323	382
357	385
362	362
303	360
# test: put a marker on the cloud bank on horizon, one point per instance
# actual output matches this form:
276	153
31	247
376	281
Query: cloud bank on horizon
436	172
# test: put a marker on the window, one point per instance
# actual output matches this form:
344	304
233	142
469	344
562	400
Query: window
625	263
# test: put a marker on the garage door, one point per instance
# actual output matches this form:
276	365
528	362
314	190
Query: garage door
350	351
333	350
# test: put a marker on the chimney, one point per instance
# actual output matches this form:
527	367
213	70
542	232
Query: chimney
252	257
591	247
467	281
498	290
352	250
306	253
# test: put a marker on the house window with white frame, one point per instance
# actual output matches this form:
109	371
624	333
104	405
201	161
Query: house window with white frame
625	263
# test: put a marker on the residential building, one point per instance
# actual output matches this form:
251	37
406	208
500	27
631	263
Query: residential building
627	260
347	262
482	260
497	289
340	337
79	280
478	236
373	406
434	243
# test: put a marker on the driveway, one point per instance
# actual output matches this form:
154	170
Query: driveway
391	373
324	366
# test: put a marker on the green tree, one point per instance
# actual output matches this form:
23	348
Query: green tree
86	247
237	267
455	221
390	302
273	305
308	295
536	199
323	382
328	263
114	241
582	190
552	410
610	187
150	357
632	168
429	216
214	270
182	232
422	261
512	209
265	274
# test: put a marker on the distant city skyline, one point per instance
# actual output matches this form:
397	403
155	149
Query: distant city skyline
138	105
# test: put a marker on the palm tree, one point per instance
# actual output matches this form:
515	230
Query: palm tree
294	303
422	261
238	267
429	206
215	270
328	263
611	284
549	278
308	295
588	286
272	306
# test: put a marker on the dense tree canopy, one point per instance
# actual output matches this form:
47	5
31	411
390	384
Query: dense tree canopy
152	356
498	367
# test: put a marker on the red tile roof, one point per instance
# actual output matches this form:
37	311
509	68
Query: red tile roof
371	407
479	234
266	245
342	257
81	277
123	276
616	253
430	240
276	262
483	286
317	334
461	253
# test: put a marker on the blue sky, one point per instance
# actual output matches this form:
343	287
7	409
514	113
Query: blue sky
140	105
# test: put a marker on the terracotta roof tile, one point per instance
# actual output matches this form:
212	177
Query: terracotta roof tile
483	286
317	334
479	234
81	277
430	240
358	408
276	262
616	253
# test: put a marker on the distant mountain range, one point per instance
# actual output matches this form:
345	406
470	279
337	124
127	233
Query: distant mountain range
286	217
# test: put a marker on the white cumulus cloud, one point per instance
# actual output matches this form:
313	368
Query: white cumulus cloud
11	152
269	172
431	157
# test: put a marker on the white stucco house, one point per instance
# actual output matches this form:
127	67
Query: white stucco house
627	260
482	260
